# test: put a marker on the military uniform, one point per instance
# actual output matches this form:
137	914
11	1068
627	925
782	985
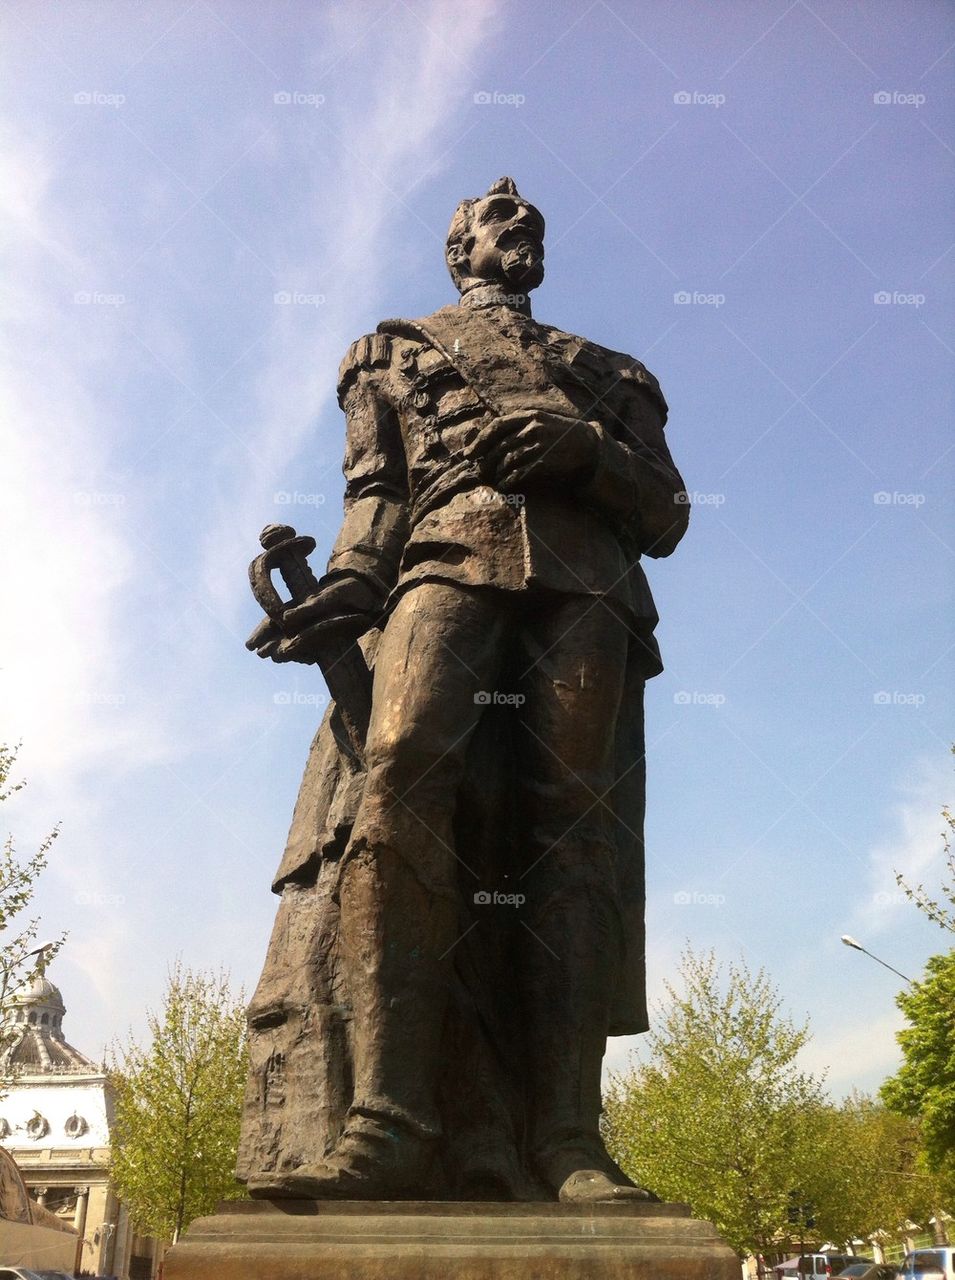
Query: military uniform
419	504
542	589
540	595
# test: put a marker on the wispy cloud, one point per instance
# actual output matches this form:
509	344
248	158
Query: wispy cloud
67	557
913	849
387	129
116	576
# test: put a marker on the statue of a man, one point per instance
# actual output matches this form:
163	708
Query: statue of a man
462	916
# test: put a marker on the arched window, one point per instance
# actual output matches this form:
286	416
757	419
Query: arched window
32	1019
44	1019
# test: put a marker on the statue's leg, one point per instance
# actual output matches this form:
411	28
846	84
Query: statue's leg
400	906
576	663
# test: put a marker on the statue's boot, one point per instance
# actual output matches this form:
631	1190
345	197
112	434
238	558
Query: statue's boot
395	937
570	959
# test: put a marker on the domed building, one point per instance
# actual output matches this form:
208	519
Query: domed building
55	1118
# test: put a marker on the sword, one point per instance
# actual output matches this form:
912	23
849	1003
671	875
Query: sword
334	640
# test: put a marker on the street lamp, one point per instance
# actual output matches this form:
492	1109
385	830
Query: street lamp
857	946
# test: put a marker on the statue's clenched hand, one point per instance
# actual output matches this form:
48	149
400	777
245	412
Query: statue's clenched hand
347	598
341	597
529	447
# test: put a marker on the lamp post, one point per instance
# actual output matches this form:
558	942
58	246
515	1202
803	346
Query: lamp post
857	946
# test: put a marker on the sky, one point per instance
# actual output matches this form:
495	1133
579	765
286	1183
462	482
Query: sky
206	202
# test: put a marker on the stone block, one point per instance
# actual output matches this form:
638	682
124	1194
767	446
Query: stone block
418	1240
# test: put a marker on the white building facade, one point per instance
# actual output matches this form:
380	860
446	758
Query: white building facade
55	1120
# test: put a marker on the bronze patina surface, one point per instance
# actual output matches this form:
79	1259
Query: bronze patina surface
462	894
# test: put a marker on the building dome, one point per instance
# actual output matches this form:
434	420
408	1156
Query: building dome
32	1022
39	992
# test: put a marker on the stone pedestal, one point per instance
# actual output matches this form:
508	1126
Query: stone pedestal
416	1240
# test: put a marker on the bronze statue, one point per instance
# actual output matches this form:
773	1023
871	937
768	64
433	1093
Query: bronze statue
461	924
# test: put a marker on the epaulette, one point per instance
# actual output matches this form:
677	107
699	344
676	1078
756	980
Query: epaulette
373	351
638	372
627	367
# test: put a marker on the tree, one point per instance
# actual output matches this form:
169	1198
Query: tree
20	958
177	1105
721	1116
924	1086
867	1171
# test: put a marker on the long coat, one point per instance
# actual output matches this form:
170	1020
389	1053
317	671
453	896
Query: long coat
300	1016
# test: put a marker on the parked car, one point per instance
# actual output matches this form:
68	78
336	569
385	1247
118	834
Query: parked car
870	1271
920	1264
818	1264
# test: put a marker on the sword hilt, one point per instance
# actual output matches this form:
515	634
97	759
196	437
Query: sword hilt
287	551
331	642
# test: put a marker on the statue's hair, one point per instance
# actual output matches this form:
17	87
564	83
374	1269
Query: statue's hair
459	232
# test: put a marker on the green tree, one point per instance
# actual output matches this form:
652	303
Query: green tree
20	958
177	1105
924	1086
721	1116
867	1171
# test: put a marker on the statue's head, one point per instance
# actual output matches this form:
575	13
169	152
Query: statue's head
496	238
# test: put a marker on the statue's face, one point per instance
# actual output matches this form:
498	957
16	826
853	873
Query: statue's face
508	242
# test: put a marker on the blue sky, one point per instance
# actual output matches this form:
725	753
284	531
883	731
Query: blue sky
206	202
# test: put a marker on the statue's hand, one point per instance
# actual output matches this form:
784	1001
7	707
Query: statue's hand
342	597
531	447
348	599
265	640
